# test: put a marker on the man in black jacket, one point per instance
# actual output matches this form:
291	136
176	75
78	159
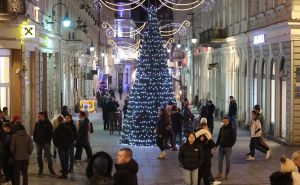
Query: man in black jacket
226	140
62	139
126	168
232	111
70	123
83	137
42	136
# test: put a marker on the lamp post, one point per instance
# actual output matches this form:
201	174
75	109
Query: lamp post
66	21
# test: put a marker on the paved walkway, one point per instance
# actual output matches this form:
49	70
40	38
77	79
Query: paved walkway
168	172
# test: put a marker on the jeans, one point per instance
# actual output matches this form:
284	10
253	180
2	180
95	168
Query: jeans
8	169
177	133
23	167
64	160
255	144
190	177
39	150
160	142
205	172
224	151
71	156
232	119
86	145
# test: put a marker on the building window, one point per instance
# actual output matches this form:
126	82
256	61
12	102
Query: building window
36	14
4	81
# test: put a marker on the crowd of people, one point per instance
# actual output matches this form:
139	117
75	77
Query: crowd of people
16	147
175	127
195	154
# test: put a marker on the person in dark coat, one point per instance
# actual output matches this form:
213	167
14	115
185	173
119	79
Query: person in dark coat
7	155
21	148
190	157
232	111
105	114
16	124
161	130
42	136
111	106
99	169
187	125
125	107
65	111
83	137
62	139
225	141
208	144
70	123
177	118
126	168
210	115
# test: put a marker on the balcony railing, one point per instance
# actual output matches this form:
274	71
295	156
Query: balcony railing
213	35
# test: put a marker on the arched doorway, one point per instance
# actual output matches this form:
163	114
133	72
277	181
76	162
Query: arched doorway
282	76
272	95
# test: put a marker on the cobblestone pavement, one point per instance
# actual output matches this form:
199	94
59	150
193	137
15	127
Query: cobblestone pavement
167	172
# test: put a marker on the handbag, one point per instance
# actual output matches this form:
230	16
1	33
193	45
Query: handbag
91	128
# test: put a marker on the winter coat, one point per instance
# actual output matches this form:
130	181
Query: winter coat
232	108
255	128
162	127
17	126
207	146
281	178
176	119
74	129
190	155
83	131
98	180
42	133
126	174
63	137
187	113
6	146
21	145
210	111
227	136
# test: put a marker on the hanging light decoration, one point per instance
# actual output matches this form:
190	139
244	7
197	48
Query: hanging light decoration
182	6
168	33
112	5
110	32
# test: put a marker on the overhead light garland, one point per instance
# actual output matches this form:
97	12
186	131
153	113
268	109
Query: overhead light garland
138	4
183	7
181	26
110	32
206	5
168	44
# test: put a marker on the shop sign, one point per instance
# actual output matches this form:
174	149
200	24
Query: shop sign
87	105
28	31
259	39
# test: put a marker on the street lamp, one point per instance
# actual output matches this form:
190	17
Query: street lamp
92	47
66	21
178	45
194	39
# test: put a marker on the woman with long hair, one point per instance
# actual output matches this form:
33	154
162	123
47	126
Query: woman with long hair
161	131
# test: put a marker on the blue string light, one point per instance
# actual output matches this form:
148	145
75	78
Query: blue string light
152	89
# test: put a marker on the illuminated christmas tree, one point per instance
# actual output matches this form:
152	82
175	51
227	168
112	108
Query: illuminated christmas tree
152	89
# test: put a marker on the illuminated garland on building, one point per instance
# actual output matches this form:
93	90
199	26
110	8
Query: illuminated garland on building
152	89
